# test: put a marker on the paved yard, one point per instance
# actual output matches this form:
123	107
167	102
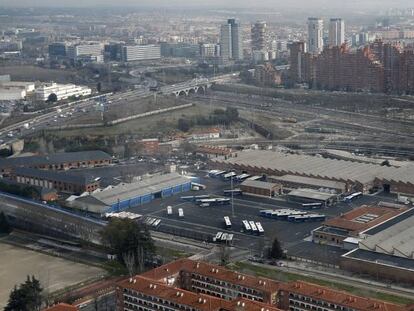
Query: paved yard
54	273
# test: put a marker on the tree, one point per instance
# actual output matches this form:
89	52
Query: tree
184	125
131	242
26	297
232	114
4	224
276	252
52	98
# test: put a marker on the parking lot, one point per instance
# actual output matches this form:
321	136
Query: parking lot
198	222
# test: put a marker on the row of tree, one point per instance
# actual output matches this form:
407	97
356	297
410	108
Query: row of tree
26	297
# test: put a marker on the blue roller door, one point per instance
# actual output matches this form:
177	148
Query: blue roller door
167	192
177	189
146	198
187	187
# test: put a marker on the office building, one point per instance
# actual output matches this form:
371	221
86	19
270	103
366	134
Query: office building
62	91
57	49
209	50
130	53
315	35
78	51
231	41
336	32
259	36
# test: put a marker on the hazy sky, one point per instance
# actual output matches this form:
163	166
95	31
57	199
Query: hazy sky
357	4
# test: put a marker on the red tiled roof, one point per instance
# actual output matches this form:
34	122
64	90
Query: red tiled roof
340	298
347	220
217	272
62	307
200	301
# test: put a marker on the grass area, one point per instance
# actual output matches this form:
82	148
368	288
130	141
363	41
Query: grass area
114	268
152	125
289	277
168	253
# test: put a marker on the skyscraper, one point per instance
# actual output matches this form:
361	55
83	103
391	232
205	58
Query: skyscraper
231	40
259	39
315	35
336	32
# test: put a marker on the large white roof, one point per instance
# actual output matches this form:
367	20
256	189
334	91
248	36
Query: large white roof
319	167
397	240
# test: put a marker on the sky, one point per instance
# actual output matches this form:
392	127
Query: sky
357	4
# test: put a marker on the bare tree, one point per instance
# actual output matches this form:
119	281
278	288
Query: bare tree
129	260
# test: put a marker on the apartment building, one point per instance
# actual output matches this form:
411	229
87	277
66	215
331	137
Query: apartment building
303	296
188	285
62	91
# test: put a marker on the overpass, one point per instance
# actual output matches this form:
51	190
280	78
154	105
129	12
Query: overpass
198	85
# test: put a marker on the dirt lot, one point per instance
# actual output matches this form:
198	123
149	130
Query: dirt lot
54	273
32	73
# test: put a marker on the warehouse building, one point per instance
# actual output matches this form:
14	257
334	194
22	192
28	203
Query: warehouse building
260	188
127	195
357	176
60	181
344	231
386	250
304	196
58	161
294	182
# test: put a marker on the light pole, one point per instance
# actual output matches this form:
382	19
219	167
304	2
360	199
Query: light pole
232	195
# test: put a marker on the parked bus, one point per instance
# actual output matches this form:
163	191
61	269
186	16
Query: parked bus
180	212
255	178
229	175
218	174
266	213
253	226
242	177
224	237
312	205
169	210
260	228
306	218
246	226
234	192
195	197
150	221
352	196
214	201
230	238
227	222
218	236
156	223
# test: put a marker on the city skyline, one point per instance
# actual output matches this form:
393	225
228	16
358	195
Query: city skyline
367	4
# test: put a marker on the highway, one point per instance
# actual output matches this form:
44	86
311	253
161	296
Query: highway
66	111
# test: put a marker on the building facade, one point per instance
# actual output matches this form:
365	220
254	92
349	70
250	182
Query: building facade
259	36
315	35
231	40
62	91
336	32
131	53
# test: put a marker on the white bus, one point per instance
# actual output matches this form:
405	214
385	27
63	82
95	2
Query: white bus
224	237
169	210
246	226
218	236
253	226
227	222
156	223
260	228
180	212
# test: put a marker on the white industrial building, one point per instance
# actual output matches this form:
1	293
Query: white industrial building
62	91
15	90
131	53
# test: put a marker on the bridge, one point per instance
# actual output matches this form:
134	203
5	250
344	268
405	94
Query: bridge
198	85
